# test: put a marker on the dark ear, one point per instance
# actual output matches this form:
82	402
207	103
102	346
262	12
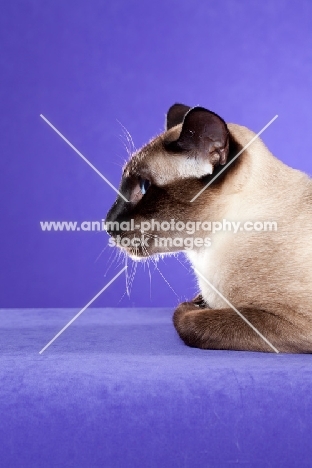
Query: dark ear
205	133
175	115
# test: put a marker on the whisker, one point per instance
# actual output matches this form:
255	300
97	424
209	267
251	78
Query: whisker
156	267
131	148
122	297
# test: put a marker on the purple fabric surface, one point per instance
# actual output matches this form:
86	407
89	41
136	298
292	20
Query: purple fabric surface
119	389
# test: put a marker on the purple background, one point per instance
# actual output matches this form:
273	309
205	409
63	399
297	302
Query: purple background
86	66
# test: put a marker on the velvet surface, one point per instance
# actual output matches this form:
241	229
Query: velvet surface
119	389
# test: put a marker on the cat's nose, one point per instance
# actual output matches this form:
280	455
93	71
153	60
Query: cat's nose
110	220
115	216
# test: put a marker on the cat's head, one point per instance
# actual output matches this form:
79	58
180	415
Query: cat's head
161	182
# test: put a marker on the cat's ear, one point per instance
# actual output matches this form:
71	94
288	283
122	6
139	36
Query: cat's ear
175	115
205	134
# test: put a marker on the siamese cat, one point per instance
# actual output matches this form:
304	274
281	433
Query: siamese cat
267	275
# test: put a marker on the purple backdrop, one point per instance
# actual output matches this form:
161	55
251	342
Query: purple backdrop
87	65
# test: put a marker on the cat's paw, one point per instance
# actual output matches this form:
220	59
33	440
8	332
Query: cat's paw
198	301
184	320
183	308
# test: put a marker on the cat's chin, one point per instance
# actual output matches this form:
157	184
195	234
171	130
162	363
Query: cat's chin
141	256
137	258
155	256
135	254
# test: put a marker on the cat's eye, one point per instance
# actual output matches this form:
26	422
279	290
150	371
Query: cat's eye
144	185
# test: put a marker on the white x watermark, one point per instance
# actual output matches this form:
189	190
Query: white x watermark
125	199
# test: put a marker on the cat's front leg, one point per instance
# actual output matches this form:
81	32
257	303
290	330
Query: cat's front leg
224	329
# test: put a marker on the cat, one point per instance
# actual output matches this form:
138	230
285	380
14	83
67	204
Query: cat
263	277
